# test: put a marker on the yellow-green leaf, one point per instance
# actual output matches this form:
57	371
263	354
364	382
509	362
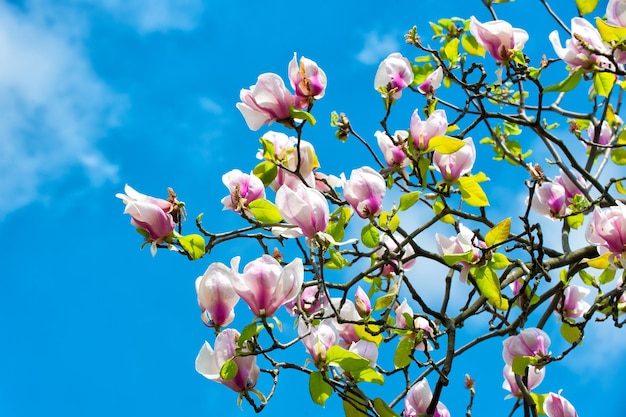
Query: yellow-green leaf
229	370
489	286
193	245
408	200
319	389
498	233
619	186
383	409
369	332
569	332
610	33
266	171
265	211
471	46
472	192
618	156
438	207
600	262
370	236
586	6
603	83
444	144
567	84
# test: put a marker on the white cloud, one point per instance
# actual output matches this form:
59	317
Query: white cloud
53	107
377	47
156	15
211	106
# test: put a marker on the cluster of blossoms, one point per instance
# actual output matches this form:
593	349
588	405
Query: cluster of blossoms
303	197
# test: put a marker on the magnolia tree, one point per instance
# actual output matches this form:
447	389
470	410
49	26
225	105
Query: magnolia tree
308	224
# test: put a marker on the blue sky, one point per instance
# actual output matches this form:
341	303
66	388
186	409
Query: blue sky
96	94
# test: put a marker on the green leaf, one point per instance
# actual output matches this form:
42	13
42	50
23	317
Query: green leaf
265	211
603	83
368	375
354	407
610	33
498	233
248	332
269	151
363	333
394	223
520	363
451	50
193	245
586	6
607	276
539	399
472	192
587	278
619	186
302	115
489	286
576	220
618	156
266	171
444	144
569	332
402	356
348	361
567	84
499	261
600	262
383	409
408	200
338	221
423	166
471	46
336	260
438	207
229	370
384	301
370	236
319	389
452	259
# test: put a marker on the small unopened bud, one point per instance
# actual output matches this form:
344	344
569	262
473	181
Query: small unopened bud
469	383
362	303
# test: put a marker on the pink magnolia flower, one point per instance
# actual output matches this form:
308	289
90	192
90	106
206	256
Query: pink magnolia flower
317	340
453	166
607	230
574	305
345	327
307	79
616	13
308	163
419	323
310	301
550	201
389	245
209	362
266	101
148	213
365	191
604	137
394	152
362	302
216	296
423	131
244	188
570	187
535	377
265	286
557	406
365	349
464	242
395	72
432	82
529	342
498	37
303	207
418	399
574	54
400	311
282	143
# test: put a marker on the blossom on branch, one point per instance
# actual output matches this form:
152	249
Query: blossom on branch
432	82
465	242
317	340
453	166
209	362
216	296
498	37
423	131
535	377
303	207
572	303
395	74
307	79
365	191
418	399
148	213
607	230
529	342
265	286
580	50
266	101
616	13
394	153
244	188
557	406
